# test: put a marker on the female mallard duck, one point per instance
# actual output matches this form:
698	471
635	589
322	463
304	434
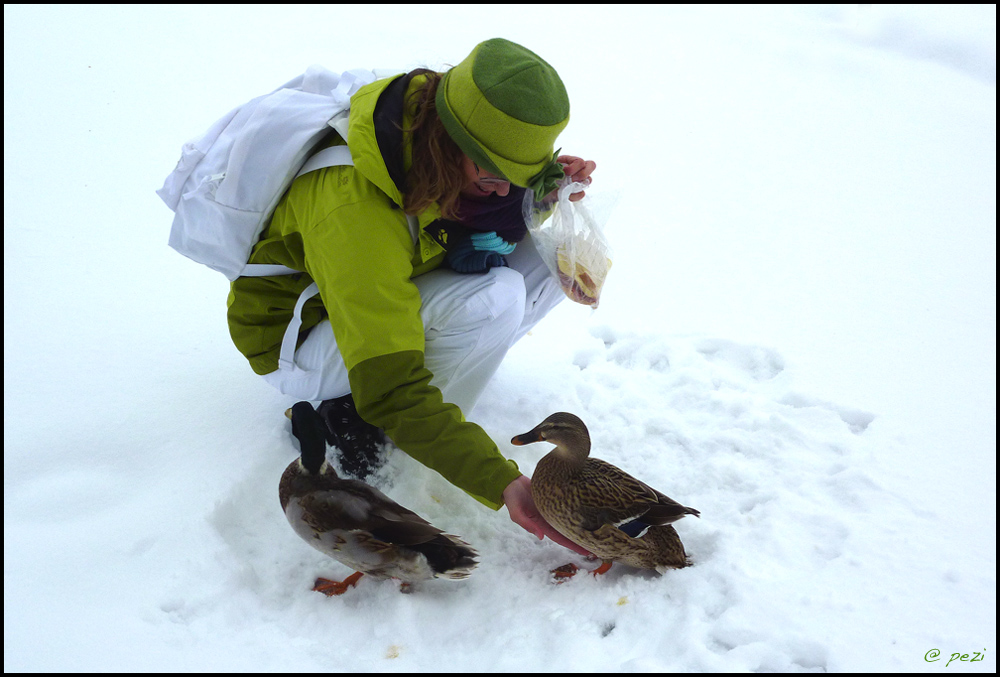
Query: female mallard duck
600	507
358	525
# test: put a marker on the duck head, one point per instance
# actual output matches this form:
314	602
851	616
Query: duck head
308	428
562	429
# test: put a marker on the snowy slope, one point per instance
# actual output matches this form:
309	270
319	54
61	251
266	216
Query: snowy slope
798	338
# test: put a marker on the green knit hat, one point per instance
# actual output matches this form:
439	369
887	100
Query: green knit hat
504	107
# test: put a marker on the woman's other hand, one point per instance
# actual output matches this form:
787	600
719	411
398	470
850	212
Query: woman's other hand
578	170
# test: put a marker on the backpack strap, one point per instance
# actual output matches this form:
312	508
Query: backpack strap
286	358
266	270
328	157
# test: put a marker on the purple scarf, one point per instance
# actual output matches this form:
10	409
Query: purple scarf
494	213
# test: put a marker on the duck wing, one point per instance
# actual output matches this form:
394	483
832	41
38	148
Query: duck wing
609	495
356	506
668	511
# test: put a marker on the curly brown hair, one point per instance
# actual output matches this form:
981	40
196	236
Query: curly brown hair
436	173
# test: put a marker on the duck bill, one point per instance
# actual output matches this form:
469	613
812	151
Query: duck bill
529	437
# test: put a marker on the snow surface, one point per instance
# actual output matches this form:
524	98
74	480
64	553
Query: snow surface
798	338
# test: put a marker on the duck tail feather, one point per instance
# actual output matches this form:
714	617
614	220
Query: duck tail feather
448	556
668	513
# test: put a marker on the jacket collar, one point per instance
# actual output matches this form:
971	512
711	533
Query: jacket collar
379	147
387	119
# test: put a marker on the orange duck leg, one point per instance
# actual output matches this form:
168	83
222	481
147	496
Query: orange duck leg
569	570
330	588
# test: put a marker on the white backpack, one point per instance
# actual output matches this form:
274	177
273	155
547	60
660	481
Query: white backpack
229	180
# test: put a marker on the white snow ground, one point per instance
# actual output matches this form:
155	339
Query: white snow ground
798	338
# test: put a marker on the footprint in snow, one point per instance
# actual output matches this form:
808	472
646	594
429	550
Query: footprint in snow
857	420
759	363
632	351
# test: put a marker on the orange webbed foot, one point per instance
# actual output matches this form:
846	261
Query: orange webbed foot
330	588
567	571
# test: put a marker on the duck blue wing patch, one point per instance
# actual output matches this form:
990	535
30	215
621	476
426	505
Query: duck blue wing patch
635	528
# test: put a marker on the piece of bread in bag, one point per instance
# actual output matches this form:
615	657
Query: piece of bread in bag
583	267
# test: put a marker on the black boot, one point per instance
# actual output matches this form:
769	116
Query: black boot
357	440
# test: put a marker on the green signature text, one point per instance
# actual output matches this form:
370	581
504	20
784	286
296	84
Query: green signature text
935	655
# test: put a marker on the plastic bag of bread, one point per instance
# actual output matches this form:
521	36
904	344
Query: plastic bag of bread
571	241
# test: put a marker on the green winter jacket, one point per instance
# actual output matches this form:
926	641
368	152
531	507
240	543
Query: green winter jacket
345	227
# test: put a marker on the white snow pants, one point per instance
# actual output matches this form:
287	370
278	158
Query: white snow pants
470	321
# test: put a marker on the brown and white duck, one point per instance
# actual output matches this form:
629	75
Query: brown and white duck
599	506
358	525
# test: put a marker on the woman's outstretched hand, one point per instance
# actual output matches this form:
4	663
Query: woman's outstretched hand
521	506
